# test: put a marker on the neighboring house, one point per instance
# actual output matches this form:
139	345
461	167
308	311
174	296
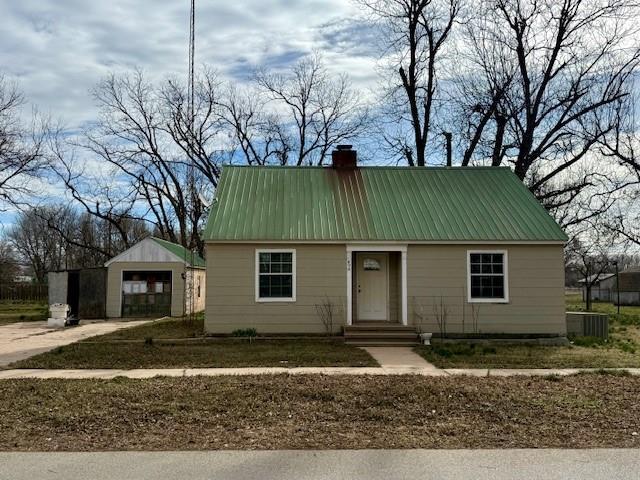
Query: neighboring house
601	287
604	289
451	250
154	278
629	287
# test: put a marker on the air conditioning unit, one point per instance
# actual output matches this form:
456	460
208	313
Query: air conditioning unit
588	324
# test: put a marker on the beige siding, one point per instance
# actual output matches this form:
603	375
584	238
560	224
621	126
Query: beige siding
114	284
436	275
231	303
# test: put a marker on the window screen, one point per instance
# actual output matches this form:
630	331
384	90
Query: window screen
275	275
487	275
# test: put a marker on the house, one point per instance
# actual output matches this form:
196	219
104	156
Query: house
604	288
154	278
445	250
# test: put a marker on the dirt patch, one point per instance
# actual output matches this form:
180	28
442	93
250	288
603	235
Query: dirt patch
303	412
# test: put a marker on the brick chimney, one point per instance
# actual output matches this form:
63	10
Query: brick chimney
343	157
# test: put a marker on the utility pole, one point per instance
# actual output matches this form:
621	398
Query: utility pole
615	264
189	259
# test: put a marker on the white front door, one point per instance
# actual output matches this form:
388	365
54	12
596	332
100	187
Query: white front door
372	286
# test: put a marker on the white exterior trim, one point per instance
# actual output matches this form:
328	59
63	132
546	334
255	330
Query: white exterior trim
404	287
292	251
126	255
376	247
505	299
392	242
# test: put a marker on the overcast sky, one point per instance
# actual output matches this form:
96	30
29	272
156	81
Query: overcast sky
59	49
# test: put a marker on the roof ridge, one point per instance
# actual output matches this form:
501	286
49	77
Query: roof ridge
376	167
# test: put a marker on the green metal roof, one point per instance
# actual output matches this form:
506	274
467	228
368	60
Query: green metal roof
377	204
181	252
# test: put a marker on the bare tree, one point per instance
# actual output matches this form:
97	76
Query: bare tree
145	143
624	219
259	134
323	110
546	89
137	161
590	257
21	148
416	32
36	244
55	237
8	262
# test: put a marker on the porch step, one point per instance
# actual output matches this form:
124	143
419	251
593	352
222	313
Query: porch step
381	343
381	327
381	335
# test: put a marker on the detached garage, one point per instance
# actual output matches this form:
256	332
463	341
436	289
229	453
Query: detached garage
155	278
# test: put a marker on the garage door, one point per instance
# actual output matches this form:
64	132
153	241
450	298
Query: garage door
146	293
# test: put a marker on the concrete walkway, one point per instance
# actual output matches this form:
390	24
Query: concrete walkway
217	372
400	357
552	464
25	339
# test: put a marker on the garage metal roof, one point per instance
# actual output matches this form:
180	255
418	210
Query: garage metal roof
181	252
439	204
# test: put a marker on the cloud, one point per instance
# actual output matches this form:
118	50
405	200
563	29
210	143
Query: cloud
59	50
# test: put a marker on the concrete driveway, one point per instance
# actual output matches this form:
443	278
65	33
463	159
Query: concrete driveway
25	339
593	464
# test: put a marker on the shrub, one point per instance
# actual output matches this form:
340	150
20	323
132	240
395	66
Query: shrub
443	352
245	332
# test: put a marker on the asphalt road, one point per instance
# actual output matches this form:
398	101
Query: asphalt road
610	464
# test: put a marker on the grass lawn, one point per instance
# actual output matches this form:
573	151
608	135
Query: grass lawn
622	349
628	314
224	353
170	328
114	351
11	312
324	412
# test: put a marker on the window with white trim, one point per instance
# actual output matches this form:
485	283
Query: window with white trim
275	275
488	276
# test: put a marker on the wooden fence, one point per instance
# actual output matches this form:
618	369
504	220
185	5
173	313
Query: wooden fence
24	292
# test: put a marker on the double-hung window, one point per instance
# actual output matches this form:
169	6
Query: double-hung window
275	275
487	276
